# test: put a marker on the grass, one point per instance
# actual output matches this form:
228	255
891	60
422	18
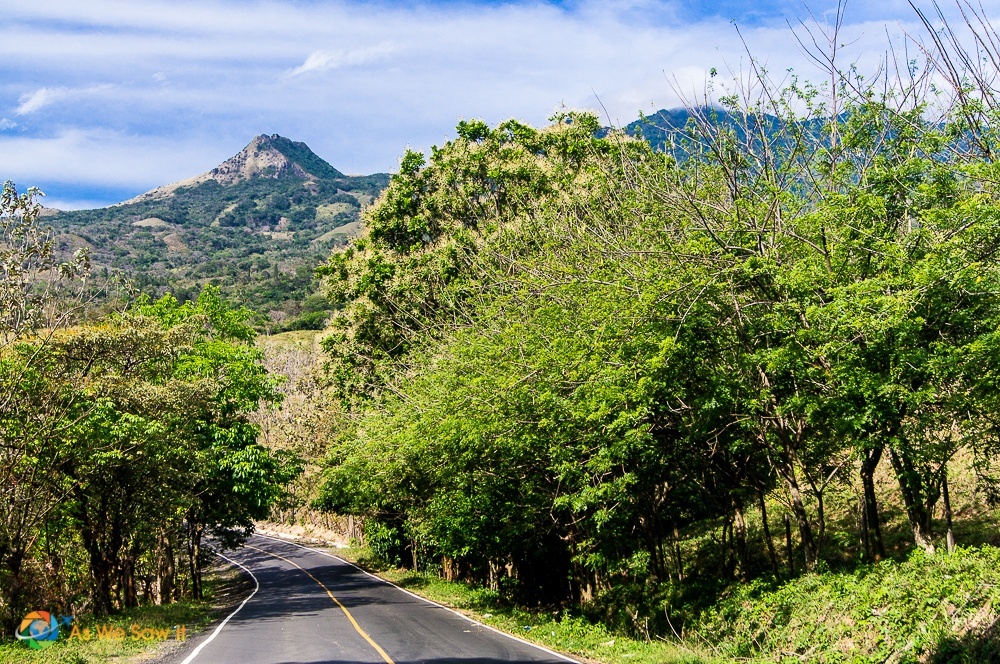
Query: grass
560	631
296	338
922	609
221	585
929	609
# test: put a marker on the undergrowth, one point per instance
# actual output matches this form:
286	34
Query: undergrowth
933	609
103	644
923	609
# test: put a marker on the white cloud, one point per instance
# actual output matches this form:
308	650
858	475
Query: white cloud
356	81
7	124
100	157
30	102
322	60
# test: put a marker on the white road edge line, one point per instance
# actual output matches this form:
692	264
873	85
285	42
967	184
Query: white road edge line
423	599
218	629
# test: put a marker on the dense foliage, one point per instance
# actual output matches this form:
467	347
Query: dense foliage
582	368
124	441
925	608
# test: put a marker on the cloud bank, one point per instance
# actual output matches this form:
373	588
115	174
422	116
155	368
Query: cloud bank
115	96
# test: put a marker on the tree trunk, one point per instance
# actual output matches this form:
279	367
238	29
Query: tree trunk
871	522
448	569
727	545
740	542
100	571
801	517
767	534
14	562
126	582
166	572
195	532
866	549
678	560
788	546
491	576
950	537
910	486
661	560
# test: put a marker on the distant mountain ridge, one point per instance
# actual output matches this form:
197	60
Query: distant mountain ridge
665	130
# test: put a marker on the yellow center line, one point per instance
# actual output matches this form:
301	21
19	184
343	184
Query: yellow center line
336	601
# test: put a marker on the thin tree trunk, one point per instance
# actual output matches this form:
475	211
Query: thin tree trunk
821	519
679	561
950	537
740	542
866	550
727	544
788	546
871	521
918	517
165	571
194	559
661	559
14	562
802	519
767	534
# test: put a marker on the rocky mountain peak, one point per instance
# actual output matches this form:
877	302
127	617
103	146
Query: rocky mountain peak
266	156
261	158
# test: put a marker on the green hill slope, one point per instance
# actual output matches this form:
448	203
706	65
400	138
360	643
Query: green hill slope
256	226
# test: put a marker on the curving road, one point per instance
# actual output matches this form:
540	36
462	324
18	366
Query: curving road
313	607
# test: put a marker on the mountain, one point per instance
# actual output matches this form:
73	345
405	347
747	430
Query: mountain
273	157
256	225
666	130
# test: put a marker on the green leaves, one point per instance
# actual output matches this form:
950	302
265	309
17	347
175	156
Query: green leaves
410	276
566	348
136	432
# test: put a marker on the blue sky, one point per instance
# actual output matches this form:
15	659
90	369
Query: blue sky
104	99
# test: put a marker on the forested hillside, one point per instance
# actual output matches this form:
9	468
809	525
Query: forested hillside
585	373
255	227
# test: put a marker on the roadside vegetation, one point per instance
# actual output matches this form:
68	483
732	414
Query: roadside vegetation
223	587
682	392
893	610
562	630
126	439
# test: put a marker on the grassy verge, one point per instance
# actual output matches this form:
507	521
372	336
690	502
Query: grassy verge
562	632
922	609
932	609
221	585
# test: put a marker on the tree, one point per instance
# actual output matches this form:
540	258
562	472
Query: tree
30	410
236	480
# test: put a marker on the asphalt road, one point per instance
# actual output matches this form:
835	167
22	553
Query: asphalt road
312	607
